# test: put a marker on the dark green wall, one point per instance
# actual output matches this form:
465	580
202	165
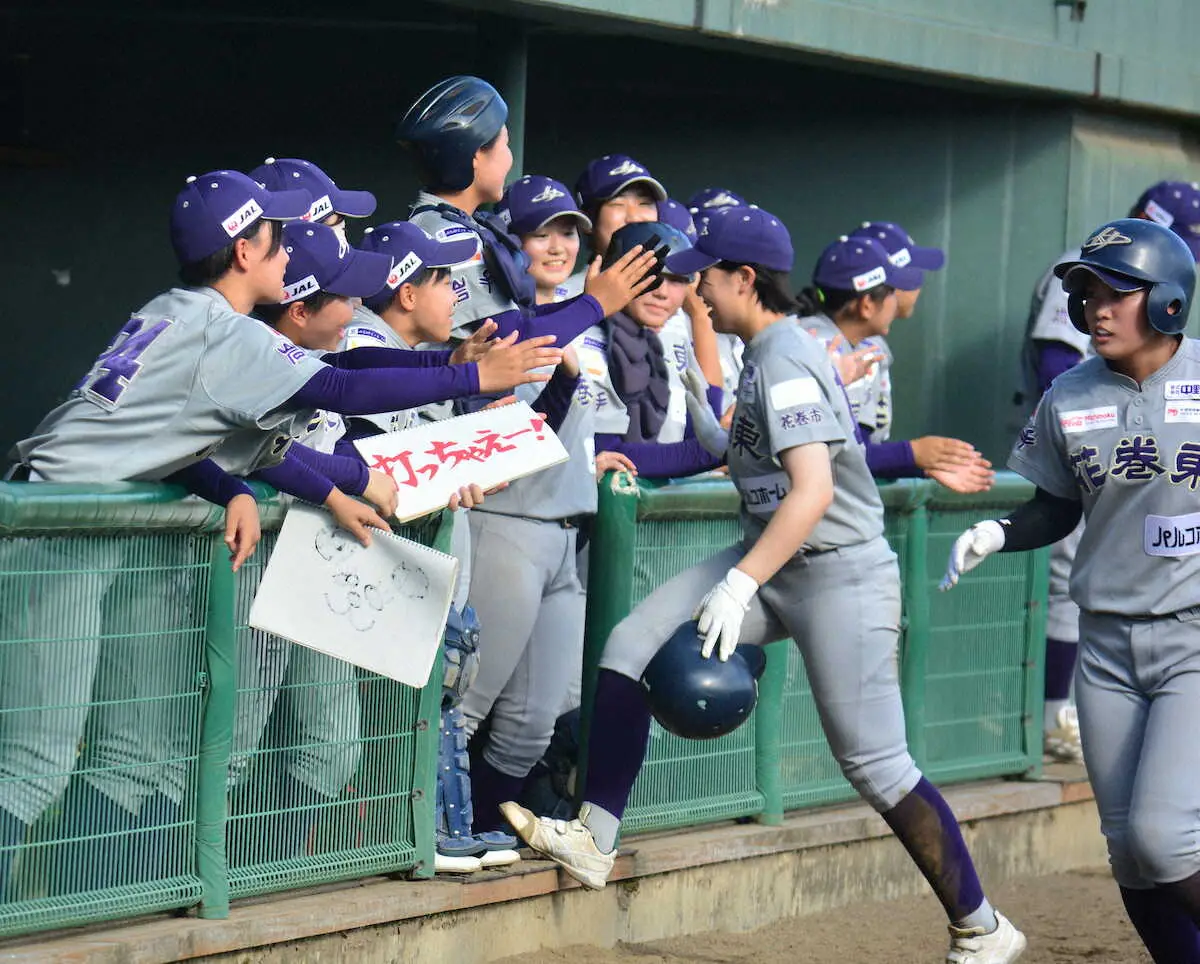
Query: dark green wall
110	114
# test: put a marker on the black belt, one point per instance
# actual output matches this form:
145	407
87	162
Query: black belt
566	522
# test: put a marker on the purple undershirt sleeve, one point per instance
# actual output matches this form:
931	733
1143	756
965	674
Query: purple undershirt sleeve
555	400
566	320
1054	358
295	477
348	474
209	481
892	460
661	461
357	359
369	390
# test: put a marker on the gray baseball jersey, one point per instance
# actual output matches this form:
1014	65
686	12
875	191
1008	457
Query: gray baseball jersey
368	330
478	296
184	374
870	396
789	395
1132	456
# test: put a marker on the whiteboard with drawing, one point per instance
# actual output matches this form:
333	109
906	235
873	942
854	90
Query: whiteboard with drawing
382	607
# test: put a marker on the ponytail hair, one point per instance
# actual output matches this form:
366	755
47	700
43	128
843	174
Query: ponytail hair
830	301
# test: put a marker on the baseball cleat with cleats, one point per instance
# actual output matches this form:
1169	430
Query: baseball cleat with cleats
972	945
1062	743
567	842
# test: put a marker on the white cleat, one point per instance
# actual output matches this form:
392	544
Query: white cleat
567	842
971	945
499	858
1062	743
455	865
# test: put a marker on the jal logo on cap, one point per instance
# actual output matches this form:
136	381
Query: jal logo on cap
864	282
404	269
626	167
243	216
300	289
901	258
321	208
548	193
1103	239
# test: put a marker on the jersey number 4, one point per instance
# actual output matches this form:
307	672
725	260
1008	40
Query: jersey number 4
116	368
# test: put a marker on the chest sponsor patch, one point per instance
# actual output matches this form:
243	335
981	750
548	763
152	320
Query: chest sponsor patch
454	231
357	337
1181	390
1182	412
763	493
1088	419
1172	535
793	392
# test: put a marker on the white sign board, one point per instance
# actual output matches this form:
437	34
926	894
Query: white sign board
382	607
433	461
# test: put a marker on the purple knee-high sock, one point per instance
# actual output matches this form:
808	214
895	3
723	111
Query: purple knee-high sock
926	826
490	788
1060	666
1165	928
617	744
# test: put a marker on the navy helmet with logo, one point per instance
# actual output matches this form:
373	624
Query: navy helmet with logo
1129	254
699	698
663	239
448	124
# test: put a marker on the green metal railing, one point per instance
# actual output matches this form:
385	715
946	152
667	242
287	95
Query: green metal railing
971	660
156	753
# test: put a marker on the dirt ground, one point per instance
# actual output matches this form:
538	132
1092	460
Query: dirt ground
1067	917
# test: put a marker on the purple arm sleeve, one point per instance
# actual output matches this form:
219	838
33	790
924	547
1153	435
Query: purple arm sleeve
892	460
358	358
555	399
209	481
348	474
659	461
296	478
566	320
370	390
1054	358
716	395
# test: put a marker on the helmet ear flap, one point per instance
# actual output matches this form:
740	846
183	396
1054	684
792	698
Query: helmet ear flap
1075	312
1161	298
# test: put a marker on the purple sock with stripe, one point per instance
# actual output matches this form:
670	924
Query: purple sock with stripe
1060	667
1163	925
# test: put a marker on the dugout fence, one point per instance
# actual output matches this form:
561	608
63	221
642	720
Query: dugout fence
156	754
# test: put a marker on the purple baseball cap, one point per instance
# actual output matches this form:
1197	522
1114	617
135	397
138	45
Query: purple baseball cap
675	214
409	249
608	176
319	260
1174	205
859	264
216	207
899	245
714	199
533	201
746	235
289	173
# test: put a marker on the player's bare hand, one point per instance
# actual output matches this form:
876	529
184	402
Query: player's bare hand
727	418
381	492
696	307
500	402
242	529
613	462
466	497
510	362
934	452
570	362
475	347
355	517
854	366
621	281
976	476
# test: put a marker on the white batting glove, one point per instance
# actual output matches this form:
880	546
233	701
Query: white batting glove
970	549
719	615
704	422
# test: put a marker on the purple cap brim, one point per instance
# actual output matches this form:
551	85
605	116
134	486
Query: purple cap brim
927	259
354	204
365	273
690	261
286	205
907	278
446	254
1118	282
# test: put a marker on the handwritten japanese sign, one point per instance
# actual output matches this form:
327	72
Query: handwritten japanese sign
382	607
432	461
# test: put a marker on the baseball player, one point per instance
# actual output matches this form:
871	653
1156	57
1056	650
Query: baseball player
1054	345
854	298
1112	439
813	566
330	205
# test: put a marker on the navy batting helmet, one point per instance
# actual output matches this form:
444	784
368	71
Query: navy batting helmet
663	239
1129	254
448	124
700	698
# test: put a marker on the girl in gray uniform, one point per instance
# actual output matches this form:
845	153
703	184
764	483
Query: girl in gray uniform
1116	440
813	565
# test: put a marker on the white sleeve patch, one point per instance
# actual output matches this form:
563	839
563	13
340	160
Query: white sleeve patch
793	392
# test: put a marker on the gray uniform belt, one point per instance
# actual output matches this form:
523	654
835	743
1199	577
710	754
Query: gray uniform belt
567	522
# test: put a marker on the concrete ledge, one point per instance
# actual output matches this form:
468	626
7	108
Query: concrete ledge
724	877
